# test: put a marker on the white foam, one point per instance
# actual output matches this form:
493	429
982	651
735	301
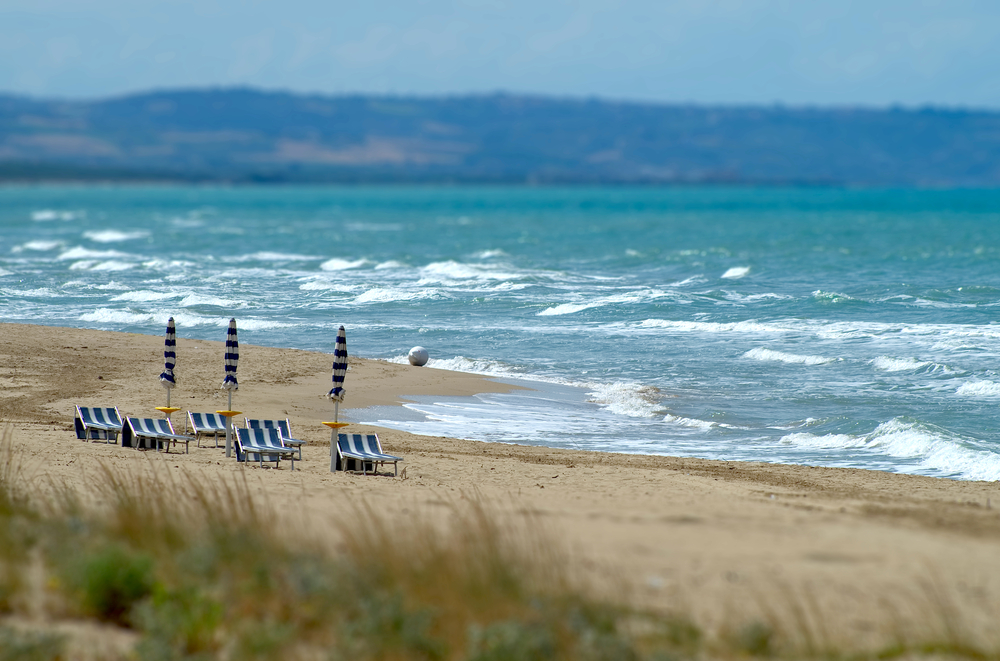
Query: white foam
338	264
831	296
43	215
265	256
144	295
388	295
567	308
440	272
109	316
736	272
627	398
490	254
628	298
688	422
693	280
191	300
37	246
888	364
114	236
4	272
319	284
977	389
391	264
111	265
716	327
769	355
85	253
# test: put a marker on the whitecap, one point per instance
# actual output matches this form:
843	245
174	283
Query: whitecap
438	272
144	295
111	265
490	254
736	272
37	246
831	296
716	327
85	253
975	389
688	422
391	264
566	308
769	355
43	215
634	400
338	264
388	295
191	300
113	236
889	364
265	256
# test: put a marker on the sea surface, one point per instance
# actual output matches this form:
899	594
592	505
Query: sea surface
810	326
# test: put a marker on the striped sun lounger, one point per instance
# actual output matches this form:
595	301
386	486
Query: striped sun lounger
363	449
94	422
151	432
283	428
203	424
264	443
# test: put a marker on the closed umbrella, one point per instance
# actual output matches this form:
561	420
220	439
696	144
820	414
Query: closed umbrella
230	383
167	378
339	372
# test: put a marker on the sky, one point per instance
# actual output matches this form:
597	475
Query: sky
805	52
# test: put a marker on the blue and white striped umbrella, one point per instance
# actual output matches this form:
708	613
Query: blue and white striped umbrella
232	357
339	367
167	378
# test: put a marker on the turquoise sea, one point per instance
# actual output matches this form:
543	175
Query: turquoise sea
810	326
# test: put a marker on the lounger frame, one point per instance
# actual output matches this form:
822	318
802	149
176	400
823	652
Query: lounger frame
157	431
265	443
203	424
284	428
363	449
98	423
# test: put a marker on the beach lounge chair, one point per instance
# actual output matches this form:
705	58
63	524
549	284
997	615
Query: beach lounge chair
94	422
203	424
283	428
151	432
363	449
265	443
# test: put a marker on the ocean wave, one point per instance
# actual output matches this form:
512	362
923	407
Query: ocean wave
717	327
97	265
490	254
933	450
631	399
443	272
390	265
374	227
629	298
736	272
41	292
114	236
889	364
832	297
43	215
144	295
976	389
338	264
4	272
389	295
688	422
770	355
36	246
753	298
693	280
266	256
192	300
85	253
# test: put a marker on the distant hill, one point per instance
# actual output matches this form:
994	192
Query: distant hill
245	135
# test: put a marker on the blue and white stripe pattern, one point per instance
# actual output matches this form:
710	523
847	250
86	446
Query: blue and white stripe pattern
339	366
232	357
169	357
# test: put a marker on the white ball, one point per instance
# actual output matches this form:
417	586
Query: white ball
417	356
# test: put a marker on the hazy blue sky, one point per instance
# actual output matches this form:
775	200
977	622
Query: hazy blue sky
877	52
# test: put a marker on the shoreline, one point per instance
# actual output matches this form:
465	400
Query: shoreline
713	536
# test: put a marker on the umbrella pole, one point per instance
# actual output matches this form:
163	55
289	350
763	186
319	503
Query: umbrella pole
229	427
168	397
336	411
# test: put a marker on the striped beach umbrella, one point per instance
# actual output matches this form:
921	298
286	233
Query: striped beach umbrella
339	371
167	378
232	361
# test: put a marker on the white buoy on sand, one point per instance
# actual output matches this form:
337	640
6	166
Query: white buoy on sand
417	356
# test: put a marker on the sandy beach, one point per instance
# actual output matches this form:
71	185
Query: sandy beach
860	554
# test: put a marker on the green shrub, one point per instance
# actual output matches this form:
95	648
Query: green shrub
110	581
